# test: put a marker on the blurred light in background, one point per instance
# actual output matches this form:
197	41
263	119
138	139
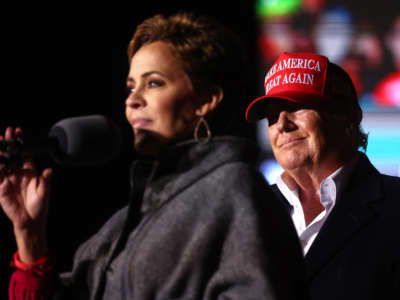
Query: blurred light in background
333	33
358	44
273	8
387	92
383	140
270	169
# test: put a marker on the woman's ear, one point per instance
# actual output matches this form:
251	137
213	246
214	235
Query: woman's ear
214	97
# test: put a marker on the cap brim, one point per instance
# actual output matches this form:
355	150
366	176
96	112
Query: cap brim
257	109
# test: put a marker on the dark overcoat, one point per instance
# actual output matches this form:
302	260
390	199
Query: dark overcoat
356	254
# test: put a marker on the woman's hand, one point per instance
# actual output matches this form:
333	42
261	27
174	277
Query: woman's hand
24	199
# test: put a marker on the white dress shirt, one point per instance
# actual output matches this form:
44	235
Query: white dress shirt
330	188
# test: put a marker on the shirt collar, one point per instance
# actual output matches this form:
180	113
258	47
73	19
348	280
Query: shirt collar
335	182
341	176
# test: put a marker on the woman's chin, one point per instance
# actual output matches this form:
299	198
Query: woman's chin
148	143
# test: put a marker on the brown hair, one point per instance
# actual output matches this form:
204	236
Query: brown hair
343	117
211	54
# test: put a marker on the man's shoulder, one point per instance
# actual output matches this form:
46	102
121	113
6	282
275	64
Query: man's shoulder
391	188
391	180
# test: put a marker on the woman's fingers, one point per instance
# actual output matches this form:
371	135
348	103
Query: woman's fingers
19	132
44	183
27	166
9	134
46	174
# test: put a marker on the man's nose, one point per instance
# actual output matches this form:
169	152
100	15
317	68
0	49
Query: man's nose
284	122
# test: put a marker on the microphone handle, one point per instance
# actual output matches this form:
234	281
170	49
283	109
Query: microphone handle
13	151
10	153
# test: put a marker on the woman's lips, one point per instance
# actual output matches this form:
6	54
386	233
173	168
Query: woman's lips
141	122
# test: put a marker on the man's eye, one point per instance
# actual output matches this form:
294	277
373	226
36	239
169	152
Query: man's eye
272	119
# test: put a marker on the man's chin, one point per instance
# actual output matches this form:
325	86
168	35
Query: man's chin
291	162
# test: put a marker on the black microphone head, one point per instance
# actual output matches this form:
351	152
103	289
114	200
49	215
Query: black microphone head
85	141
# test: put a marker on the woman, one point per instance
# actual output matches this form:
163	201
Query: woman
202	223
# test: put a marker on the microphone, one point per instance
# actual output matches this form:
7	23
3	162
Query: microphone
78	141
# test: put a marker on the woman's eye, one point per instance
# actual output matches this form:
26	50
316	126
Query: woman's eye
155	83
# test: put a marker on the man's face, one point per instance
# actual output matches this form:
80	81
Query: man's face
296	135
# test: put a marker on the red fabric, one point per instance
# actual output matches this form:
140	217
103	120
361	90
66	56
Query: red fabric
305	78
31	284
41	263
297	77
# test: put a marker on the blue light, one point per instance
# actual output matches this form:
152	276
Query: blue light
271	170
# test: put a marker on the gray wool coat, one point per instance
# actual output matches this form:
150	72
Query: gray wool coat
208	227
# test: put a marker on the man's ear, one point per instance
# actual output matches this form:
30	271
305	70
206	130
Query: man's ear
214	97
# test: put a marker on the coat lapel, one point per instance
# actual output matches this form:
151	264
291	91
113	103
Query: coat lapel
352	212
281	198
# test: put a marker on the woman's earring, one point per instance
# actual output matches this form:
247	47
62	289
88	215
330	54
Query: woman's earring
207	137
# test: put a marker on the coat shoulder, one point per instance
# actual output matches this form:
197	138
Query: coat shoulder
391	183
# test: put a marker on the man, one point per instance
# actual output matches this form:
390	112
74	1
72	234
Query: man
346	213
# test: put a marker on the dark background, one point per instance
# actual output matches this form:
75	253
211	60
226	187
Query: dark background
56	65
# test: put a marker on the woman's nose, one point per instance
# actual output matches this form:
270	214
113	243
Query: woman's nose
135	101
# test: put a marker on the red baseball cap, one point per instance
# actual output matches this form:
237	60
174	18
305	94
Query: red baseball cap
304	78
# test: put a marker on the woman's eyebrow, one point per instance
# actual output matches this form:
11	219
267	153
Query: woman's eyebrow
146	74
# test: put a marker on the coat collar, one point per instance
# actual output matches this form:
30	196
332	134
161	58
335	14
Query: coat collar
352	212
182	164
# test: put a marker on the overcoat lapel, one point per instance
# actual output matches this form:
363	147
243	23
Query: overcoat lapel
353	211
